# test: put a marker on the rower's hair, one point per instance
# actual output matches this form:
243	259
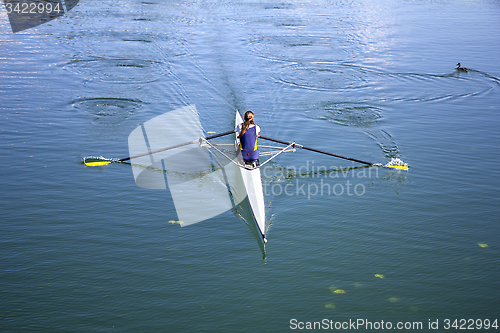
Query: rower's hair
248	121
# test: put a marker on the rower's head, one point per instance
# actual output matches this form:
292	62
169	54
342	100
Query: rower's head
248	121
249	116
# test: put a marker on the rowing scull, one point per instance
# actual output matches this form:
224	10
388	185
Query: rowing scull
253	186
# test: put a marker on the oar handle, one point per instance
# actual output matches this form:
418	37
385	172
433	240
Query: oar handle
177	146
315	150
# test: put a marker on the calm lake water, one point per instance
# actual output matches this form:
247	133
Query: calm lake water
87	250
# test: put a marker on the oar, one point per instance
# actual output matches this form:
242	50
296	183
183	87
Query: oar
403	167
99	161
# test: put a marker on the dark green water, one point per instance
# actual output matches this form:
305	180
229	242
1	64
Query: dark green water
85	249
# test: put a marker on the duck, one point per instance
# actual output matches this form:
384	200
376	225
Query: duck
460	68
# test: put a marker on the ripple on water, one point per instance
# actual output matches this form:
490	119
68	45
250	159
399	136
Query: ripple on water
322	76
349	114
423	87
386	143
380	86
108	111
118	70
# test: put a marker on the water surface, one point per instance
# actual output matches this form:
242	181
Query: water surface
85	249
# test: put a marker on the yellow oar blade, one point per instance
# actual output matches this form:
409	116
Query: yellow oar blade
396	163
400	167
96	161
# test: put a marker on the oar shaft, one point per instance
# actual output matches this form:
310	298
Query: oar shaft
176	146
159	150
219	135
335	155
315	150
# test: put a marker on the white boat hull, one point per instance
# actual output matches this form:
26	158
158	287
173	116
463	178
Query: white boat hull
253	186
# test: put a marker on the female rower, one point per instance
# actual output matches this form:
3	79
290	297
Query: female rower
249	132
